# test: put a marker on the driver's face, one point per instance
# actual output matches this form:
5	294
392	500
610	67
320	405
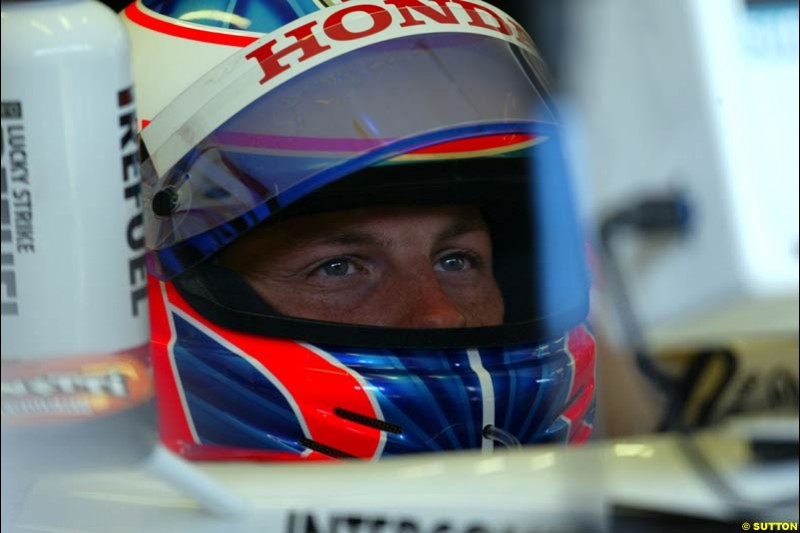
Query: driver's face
408	267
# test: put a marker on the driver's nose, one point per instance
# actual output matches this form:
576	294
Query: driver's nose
425	305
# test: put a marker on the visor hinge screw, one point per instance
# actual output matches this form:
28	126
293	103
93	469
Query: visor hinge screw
165	201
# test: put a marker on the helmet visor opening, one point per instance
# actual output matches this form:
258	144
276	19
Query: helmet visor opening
537	259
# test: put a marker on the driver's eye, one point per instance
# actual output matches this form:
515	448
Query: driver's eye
458	262
453	263
336	267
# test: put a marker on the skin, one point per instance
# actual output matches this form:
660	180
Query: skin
398	266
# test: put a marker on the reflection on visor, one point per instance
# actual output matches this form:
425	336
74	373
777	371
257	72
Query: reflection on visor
384	101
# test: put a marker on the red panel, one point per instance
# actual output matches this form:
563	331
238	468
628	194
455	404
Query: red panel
173	426
316	385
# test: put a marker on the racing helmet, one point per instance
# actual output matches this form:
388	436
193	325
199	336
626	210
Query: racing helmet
255	114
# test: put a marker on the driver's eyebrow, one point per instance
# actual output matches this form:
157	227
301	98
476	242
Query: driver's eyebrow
461	226
352	236
345	237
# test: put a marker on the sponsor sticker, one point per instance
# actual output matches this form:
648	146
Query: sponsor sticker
75	388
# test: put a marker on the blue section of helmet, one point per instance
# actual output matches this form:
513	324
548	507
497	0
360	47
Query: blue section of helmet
248	15
230	401
434	396
531	388
437	398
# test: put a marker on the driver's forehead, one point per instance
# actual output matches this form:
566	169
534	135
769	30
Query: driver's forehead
381	224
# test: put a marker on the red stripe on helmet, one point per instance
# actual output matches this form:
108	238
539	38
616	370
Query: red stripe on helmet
472	144
581	346
139	16
581	434
173	425
316	385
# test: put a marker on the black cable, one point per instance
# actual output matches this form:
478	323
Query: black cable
669	215
663	215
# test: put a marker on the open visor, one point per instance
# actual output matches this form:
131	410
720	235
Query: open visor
331	94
